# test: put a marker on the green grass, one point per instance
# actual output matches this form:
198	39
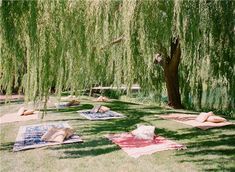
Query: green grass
211	150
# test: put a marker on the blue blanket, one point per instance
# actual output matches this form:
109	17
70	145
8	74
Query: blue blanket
100	116
30	136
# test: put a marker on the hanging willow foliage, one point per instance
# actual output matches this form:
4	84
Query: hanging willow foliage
72	45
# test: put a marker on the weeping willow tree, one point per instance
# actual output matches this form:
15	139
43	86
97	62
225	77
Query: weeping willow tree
72	45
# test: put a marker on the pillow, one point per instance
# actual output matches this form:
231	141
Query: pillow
215	119
102	99
105	99
69	132
28	112
202	117
54	135
57	134
73	102
21	111
95	109
103	109
99	99
144	132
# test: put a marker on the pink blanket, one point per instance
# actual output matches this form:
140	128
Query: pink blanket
189	119
13	117
136	147
11	97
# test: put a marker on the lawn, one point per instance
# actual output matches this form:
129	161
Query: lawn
211	150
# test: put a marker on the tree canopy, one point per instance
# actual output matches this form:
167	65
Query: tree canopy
72	45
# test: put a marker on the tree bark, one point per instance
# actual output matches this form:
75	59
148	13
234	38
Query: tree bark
172	85
170	67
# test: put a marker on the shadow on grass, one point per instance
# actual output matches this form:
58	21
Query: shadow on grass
119	105
213	152
213	149
94	147
153	108
7	146
167	112
70	109
11	101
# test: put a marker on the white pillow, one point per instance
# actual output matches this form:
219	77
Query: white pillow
144	132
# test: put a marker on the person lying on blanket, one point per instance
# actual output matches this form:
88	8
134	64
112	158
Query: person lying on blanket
209	117
55	134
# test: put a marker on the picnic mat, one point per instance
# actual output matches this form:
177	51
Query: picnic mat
65	105
190	120
136	147
11	97
29	136
100	116
14	117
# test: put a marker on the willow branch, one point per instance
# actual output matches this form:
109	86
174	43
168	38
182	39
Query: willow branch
119	39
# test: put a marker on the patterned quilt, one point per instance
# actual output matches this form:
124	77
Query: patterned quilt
30	136
101	116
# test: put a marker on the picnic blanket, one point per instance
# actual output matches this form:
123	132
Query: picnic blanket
29	136
11	97
136	147
189	119
100	116
14	117
64	105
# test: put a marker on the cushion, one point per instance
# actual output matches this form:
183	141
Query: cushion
21	111
202	117
215	119
95	109
103	109
28	112
144	132
99	108
105	99
102	99
54	135
73	102
57	134
69	132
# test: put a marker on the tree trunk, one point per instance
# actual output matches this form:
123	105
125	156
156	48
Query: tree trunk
171	75
170	67
172	86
